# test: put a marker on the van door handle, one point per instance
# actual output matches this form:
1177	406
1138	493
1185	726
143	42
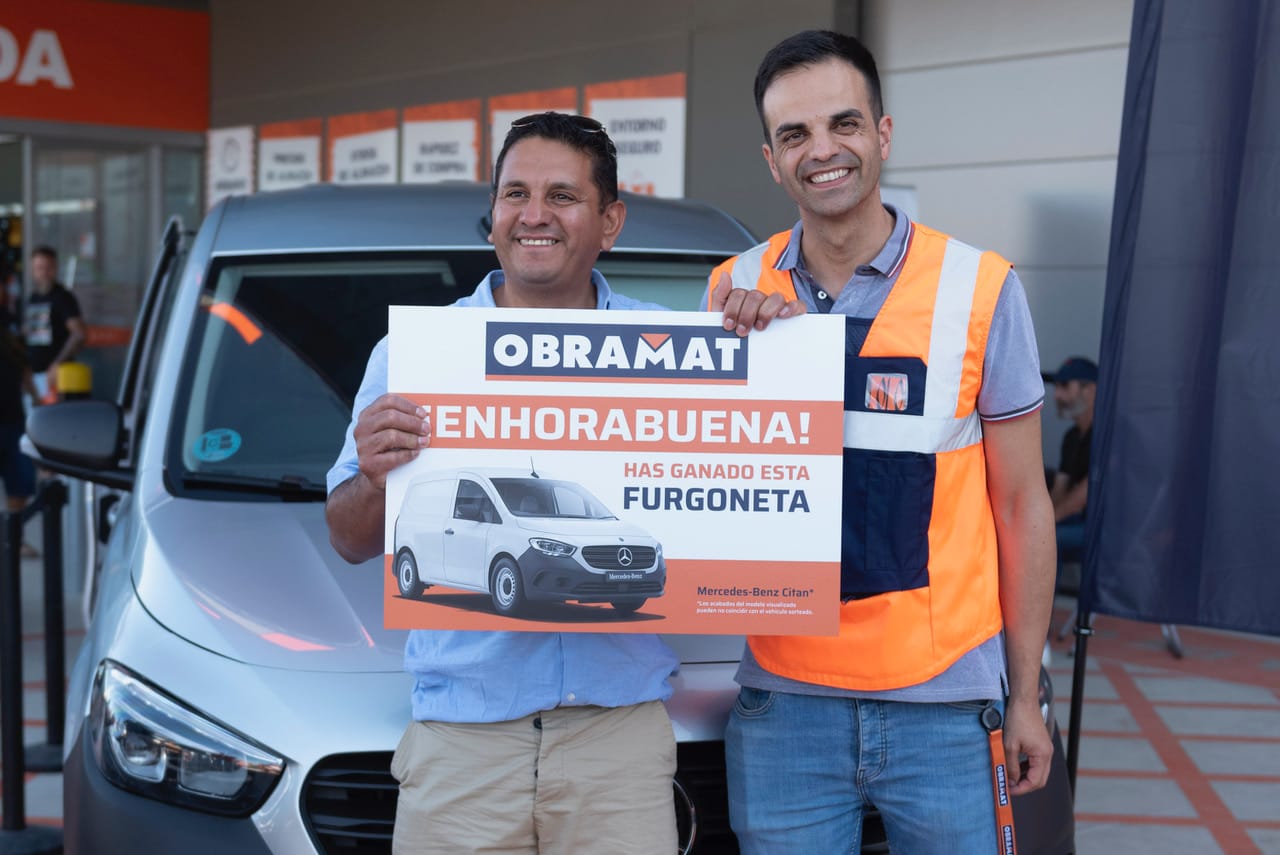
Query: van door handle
448	531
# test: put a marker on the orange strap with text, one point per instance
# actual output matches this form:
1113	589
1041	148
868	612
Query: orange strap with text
1006	843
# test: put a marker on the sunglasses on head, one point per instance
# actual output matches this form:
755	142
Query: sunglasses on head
582	123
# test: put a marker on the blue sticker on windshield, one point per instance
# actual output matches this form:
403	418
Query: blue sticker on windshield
217	444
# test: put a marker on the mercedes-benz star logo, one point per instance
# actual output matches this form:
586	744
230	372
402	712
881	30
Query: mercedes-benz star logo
625	557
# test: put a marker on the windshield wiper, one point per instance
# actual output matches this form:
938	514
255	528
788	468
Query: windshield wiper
290	488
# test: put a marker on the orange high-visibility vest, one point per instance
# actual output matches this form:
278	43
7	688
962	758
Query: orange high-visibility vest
919	565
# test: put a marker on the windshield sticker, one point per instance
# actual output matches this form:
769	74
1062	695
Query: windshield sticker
217	444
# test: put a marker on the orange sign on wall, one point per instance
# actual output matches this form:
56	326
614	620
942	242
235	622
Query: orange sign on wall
105	63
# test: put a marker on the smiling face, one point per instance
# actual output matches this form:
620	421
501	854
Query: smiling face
825	143
549	225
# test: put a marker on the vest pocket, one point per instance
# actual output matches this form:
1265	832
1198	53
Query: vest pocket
888	498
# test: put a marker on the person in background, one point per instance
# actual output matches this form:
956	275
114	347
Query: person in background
1075	386
53	328
16	469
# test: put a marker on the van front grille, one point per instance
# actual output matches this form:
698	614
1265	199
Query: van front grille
349	802
608	557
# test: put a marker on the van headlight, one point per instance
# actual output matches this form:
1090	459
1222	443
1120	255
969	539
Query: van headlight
547	546
148	743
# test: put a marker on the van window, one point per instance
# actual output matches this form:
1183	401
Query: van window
540	497
473	504
677	281
277	352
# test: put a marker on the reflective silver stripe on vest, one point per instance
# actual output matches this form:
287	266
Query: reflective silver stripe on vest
938	430
746	269
950	333
894	432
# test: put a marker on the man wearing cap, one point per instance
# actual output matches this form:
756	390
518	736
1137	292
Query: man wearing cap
1074	387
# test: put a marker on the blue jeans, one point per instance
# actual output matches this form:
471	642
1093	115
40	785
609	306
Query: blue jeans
803	768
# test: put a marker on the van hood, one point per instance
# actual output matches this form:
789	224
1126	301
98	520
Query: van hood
258	582
608	531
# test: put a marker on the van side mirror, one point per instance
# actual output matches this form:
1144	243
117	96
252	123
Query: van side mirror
83	439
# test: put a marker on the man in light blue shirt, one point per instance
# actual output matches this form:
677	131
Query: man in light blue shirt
521	742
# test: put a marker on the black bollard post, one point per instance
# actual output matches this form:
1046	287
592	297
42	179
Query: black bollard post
1084	629
47	756
16	837
15	808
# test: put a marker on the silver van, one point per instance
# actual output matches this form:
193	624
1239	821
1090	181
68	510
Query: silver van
236	690
521	537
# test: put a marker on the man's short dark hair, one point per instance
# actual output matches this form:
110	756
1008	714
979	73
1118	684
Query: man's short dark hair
47	251
812	47
578	132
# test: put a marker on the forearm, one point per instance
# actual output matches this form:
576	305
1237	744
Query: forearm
75	340
1027	558
355	513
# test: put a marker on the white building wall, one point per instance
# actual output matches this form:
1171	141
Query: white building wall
1007	123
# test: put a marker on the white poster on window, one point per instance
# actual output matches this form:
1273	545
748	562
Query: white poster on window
645	119
441	149
364	148
288	154
228	163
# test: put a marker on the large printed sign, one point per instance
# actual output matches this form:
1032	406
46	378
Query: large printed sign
289	154
619	471
363	148
441	142
505	109
105	63
645	120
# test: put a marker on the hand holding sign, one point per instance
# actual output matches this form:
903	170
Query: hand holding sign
747	310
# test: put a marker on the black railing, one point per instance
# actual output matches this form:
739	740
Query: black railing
15	835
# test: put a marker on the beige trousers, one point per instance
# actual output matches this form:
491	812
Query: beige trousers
568	781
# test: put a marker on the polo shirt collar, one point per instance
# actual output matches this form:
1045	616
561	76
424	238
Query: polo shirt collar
484	291
888	262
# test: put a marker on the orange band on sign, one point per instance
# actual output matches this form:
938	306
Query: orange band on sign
693	425
700	596
106	63
444	111
352	124
564	100
665	86
291	130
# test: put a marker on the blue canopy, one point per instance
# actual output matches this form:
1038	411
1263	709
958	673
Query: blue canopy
1184	484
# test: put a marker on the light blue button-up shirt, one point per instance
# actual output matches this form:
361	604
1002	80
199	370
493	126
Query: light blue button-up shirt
470	676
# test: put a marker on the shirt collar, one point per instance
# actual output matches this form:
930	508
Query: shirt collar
483	295
887	262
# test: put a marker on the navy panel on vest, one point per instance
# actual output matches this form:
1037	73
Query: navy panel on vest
888	495
893	384
888	502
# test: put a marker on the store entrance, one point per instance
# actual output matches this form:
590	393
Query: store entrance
100	205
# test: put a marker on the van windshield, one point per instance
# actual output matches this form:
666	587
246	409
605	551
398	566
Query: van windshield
278	350
540	497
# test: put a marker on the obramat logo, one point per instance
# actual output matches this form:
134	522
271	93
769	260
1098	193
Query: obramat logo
687	354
